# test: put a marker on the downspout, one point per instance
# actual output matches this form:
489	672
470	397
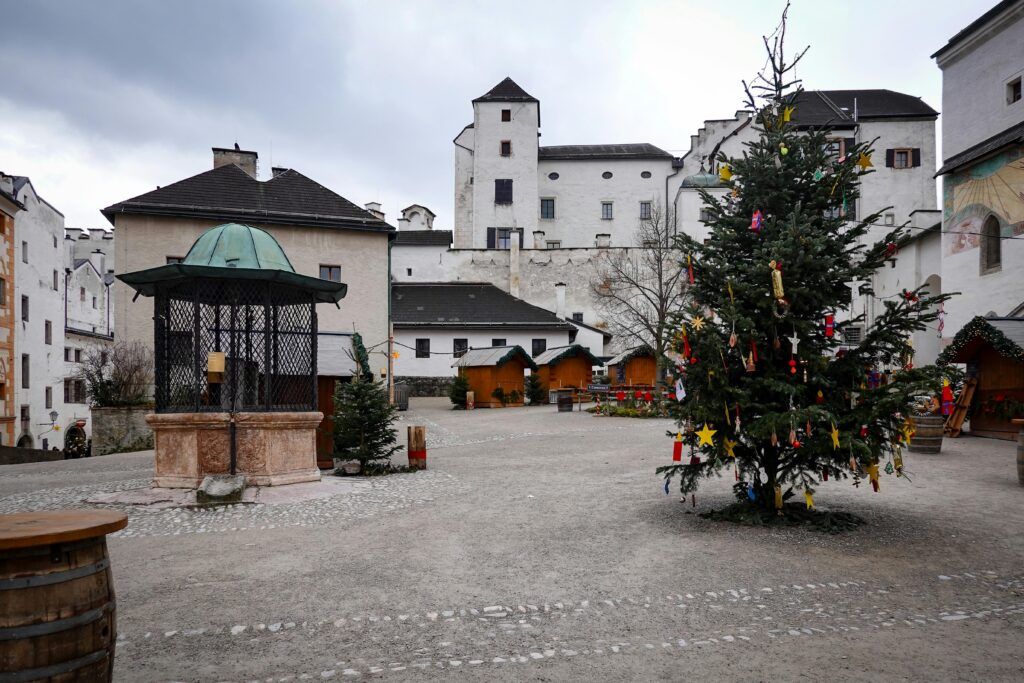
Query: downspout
391	333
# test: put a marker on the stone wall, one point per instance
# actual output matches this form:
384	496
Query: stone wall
121	430
426	386
9	455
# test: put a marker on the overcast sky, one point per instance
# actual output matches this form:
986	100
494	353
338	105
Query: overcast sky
101	101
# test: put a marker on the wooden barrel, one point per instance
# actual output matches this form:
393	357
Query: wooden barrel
927	436
57	608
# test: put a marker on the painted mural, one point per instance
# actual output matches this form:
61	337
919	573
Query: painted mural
992	187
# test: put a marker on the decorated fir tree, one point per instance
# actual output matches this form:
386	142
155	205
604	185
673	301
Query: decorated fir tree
765	391
363	416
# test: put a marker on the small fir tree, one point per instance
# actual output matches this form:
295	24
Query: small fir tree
363	415
765	390
457	391
536	394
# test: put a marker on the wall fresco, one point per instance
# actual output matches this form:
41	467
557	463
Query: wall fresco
994	186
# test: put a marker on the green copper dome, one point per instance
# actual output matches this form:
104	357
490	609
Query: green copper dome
238	246
702	179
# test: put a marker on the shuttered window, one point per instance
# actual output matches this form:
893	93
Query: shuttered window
502	191
903	157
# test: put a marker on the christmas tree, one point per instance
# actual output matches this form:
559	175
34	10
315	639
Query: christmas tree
363	416
764	389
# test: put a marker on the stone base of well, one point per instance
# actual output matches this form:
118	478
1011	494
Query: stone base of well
272	448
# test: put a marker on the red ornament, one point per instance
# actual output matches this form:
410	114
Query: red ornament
792	366
874	485
648	396
820	398
693	360
753	350
824	475
863	431
686	345
891	249
947	399
638	394
694	459
755	222
620	395
830	325
677	448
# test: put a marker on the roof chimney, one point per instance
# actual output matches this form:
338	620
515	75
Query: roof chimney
560	299
374	208
277	170
245	160
99	261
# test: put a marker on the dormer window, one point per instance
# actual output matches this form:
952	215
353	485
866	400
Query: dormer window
506	114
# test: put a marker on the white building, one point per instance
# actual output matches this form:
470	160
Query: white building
39	322
982	251
88	315
437	322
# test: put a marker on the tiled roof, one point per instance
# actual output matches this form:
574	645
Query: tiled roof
228	193
493	356
643	150
836	107
466	304
1012	135
974	25
417	238
506	91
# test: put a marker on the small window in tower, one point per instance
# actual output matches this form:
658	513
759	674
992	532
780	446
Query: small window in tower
645	174
577	317
645	211
56	281
547	208
506	148
423	348
606	211
330	272
498	342
606	175
554	244
552	176
506	114
408	272
1013	91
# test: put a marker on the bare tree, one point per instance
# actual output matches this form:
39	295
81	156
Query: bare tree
638	289
118	375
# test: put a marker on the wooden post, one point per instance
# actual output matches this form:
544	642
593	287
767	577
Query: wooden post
417	447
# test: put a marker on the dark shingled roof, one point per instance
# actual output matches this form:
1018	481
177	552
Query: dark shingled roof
1011	136
506	91
835	107
228	193
643	150
419	238
466	304
973	26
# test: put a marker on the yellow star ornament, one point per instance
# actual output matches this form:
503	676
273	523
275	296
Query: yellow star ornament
697	323
705	435
724	173
729	446
835	437
864	161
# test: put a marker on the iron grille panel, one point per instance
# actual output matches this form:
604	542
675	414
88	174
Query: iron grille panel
266	332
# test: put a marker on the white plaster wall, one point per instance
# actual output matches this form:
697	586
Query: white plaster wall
488	165
81	315
580	189
442	346
462	218
593	341
147	241
713	132
427	263
974	77
42	227
688	207
998	292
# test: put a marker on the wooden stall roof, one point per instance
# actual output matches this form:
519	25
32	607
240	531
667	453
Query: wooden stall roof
636	352
1004	335
493	356
553	355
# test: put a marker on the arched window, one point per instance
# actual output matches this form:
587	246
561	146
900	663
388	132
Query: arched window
991	246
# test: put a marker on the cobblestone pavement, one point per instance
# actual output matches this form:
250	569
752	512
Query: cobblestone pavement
539	546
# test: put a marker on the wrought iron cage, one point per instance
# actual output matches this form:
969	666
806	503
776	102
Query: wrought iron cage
227	345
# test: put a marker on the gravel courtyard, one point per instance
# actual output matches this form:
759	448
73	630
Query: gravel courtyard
541	546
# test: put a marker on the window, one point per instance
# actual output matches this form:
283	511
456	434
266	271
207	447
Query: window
890	219
49	398
502	191
26	419
606	175
705	215
852	335
67	390
554	244
498	342
24	308
648	244
56	281
174	259
991	246
459	347
332	273
24	371
501	238
553	176
3	292
94	302
901	158
645	174
78	355
838	147
506	148
46	444
1013	91
538	347
67	354
81	293
506	114
47	332
24	252
408	272
79	396
606	211
577	317
645	211
423	348
547	208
